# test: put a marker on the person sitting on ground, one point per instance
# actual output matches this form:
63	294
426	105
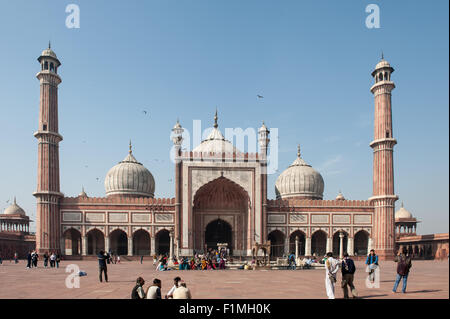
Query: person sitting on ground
138	290
176	280
182	292
154	291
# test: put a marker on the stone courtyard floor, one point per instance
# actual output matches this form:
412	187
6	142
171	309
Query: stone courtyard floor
428	279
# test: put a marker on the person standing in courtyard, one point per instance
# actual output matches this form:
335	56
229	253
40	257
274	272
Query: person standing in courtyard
46	260
404	264
291	261
142	259
154	291
138	290
102	265
16	258
52	260
29	259
348	271
372	263
57	259
331	269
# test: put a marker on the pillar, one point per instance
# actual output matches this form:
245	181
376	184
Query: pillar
341	245
350	246
286	246
369	245
308	246
84	245
106	244
171	244
152	245
329	245
130	246
296	247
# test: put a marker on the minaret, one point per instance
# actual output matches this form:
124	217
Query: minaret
48	195
263	139
383	197
177	142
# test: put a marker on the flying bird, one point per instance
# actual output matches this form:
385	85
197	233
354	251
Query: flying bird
97	178
260	96
145	112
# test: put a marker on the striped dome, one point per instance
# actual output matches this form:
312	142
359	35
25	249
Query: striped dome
299	180
129	178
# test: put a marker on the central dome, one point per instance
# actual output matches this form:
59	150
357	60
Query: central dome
129	178
215	142
299	180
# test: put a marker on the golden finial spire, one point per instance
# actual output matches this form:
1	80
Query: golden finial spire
15	200
298	151
215	120
130	151
402	204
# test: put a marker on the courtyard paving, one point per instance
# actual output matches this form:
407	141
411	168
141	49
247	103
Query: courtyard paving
428	279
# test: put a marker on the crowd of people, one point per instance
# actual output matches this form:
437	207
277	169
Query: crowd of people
212	259
348	269
33	257
179	290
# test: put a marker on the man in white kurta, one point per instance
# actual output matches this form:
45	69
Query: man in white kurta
331	269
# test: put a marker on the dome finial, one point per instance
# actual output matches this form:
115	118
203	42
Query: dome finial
402	204
382	55
49	44
130	150
215	120
299	154
15	200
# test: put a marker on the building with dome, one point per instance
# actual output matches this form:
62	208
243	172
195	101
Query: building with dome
220	196
15	236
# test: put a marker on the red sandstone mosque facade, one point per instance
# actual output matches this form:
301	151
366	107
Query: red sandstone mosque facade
220	196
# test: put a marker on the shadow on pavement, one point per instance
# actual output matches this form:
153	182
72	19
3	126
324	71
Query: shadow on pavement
372	296
420	291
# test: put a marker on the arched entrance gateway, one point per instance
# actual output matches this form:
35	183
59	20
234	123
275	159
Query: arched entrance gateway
221	214
72	242
276	238
162	242
218	231
141	243
119	242
319	243
361	243
96	241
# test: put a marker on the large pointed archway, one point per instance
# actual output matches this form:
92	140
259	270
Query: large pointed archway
218	231
221	212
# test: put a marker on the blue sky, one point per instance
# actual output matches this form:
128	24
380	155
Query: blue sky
311	60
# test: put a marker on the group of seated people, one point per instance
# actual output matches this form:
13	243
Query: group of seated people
213	259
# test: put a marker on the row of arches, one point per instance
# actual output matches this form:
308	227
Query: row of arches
118	242
318	243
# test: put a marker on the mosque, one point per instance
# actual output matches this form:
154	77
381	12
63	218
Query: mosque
220	196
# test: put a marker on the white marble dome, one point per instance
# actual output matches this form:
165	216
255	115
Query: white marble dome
14	209
129	178
299	180
215	143
403	213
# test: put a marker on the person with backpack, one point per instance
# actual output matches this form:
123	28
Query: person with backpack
138	290
348	271
102	268
403	266
372	263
